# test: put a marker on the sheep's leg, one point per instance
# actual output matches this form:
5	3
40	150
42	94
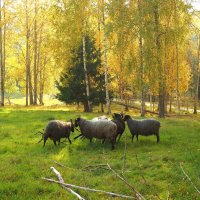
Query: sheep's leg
54	141
119	137
44	142
103	141
137	136
113	141
45	139
158	138
69	140
59	142
133	137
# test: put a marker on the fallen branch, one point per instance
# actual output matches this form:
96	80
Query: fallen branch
89	189
138	195
189	179
66	188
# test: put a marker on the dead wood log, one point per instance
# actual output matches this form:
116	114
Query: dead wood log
66	188
89	189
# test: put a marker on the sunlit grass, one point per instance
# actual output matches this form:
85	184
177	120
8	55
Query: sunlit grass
23	162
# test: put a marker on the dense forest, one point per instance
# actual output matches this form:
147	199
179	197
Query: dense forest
90	52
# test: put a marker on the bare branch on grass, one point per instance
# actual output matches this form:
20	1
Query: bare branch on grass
138	195
189	179
65	187
89	189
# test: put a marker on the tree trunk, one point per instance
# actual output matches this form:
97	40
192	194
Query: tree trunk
9	102
89	109
102	108
42	81
86	108
41	99
30	86
177	67
153	104
35	55
196	83
27	54
170	103
150	98
105	62
2	62
4	49
142	77
161	95
177	81
141	61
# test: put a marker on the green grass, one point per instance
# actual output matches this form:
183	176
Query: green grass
155	171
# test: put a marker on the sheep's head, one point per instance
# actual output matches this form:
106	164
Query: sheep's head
77	120
126	117
117	116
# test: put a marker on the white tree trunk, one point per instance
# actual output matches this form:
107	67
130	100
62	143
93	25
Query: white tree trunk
35	54
105	63
86	76
2	62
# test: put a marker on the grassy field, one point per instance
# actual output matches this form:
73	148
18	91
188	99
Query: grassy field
153	169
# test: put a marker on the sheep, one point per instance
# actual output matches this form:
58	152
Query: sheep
56	129
103	117
102	129
143	127
118	120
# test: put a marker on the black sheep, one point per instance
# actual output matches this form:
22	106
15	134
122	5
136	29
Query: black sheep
118	120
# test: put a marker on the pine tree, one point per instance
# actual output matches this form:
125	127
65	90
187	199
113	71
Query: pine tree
72	82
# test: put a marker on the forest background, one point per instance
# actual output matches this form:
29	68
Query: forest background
143	53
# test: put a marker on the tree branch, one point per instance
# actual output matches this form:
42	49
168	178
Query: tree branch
189	179
138	195
89	189
62	181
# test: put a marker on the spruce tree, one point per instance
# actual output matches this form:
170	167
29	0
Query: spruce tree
72	81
